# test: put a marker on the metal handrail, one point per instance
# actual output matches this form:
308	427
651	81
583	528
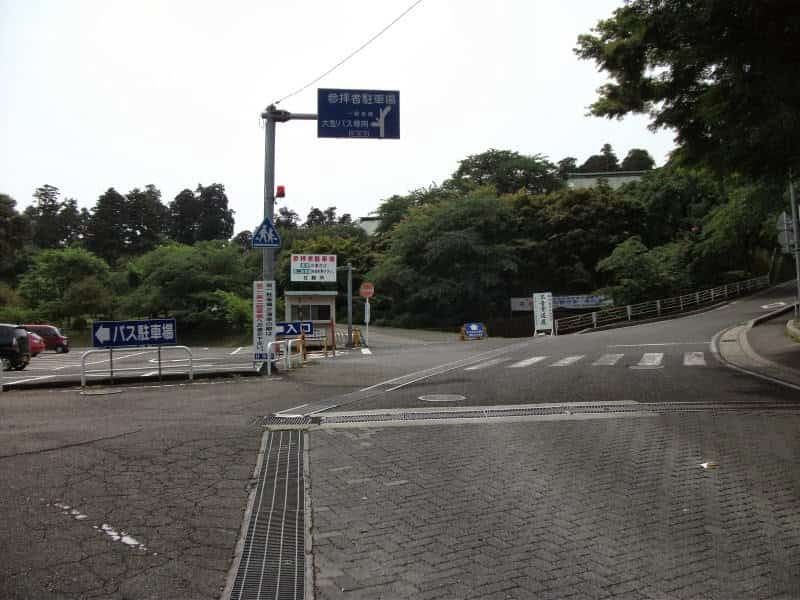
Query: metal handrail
270	345
289	351
676	304
111	365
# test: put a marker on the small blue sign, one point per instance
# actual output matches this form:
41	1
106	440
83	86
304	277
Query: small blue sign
294	328
358	114
115	334
266	236
474	330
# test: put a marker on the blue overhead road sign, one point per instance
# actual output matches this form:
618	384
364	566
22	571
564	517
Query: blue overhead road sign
266	236
115	334
358	114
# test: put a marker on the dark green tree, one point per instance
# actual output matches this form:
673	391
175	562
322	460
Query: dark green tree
215	221
184	217
244	240
567	165
637	159
106	232
507	171
44	219
605	162
15	235
146	220
722	74
287	218
315	218
330	215
72	222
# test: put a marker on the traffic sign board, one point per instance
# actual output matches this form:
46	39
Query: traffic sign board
116	334
367	290
474	330
266	236
358	114
294	327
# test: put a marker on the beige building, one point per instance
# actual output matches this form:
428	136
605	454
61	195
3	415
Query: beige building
615	179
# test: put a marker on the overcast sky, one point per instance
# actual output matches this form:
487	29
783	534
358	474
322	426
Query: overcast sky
108	93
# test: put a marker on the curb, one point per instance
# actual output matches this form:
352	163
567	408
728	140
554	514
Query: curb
792	330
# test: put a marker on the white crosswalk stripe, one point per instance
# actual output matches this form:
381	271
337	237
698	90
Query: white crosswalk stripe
483	365
694	359
568	360
651	359
607	360
527	362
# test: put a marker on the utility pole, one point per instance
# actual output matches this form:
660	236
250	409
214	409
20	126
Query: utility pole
793	201
349	305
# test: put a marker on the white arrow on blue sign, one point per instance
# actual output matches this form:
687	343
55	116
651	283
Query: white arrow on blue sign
266	236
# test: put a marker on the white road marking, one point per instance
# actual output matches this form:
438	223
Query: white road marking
527	362
366	351
290	412
568	360
484	365
239	349
607	360
26	380
651	360
659	344
694	359
150	374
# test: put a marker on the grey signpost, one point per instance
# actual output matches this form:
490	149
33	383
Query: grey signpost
341	113
793	201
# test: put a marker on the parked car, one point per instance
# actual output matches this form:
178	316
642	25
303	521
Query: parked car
14	348
36	343
53	340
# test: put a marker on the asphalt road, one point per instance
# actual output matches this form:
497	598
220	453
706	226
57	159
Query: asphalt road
140	492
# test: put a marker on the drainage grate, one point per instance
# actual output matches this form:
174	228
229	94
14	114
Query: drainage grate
273	559
272	420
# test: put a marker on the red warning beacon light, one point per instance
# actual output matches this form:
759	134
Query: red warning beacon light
281	192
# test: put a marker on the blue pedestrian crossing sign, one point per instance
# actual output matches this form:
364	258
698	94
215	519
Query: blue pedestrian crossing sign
266	236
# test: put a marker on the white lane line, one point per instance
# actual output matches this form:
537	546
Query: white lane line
527	362
290	412
26	380
659	344
607	360
124	356
150	374
366	351
651	360
694	359
566	361
239	349
484	365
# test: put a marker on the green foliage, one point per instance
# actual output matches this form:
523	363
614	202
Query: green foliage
106	231
605	162
721	73
68	283
637	159
507	172
14	236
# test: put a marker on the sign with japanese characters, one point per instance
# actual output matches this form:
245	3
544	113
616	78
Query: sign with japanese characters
116	334
582	301
263	318
294	327
313	267
543	311
358	114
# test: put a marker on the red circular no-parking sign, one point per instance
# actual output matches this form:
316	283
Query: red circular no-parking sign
366	290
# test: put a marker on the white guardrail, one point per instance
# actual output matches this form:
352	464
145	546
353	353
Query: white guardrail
658	308
110	370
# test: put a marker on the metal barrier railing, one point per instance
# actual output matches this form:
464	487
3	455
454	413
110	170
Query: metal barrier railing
110	369
657	308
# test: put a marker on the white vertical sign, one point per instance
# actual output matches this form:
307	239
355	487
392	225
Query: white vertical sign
543	312
263	318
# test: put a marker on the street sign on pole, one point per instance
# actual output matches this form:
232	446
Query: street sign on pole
358	114
313	267
266	236
263	319
294	327
542	312
367	290
117	334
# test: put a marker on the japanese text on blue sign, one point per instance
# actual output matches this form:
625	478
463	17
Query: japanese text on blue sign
112	334
358	113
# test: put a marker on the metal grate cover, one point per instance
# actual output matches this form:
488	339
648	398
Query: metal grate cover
272	564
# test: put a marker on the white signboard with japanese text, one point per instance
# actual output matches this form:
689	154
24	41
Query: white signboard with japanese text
313	267
522	304
543	312
263	318
582	301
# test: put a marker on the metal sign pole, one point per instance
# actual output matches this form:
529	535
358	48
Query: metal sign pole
793	201
269	186
349	305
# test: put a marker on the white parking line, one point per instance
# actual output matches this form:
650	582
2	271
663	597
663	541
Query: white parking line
26	380
566	361
607	360
527	362
694	359
239	349
366	351
651	360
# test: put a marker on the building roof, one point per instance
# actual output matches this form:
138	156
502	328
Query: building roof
606	174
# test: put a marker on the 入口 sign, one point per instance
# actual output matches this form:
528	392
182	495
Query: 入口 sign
313	267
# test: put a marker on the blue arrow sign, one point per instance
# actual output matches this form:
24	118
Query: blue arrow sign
266	236
294	328
115	334
358	114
